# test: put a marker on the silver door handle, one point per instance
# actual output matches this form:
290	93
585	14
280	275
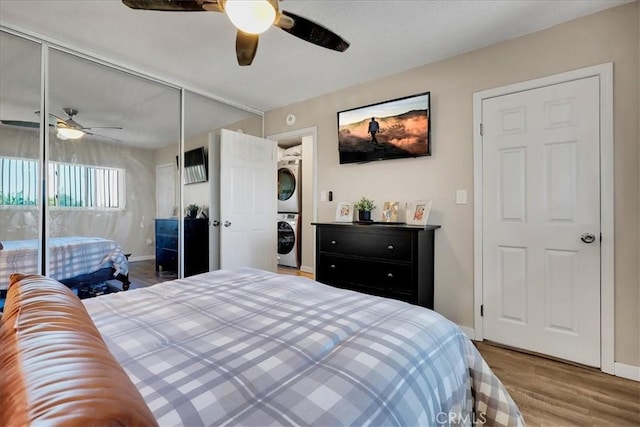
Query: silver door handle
588	237
227	223
216	223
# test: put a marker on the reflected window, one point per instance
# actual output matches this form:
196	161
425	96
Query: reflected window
70	185
81	186
19	182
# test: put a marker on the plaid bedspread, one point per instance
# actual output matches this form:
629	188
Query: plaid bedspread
69	257
248	347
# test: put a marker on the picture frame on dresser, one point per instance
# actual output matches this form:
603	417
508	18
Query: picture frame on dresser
344	212
417	212
390	212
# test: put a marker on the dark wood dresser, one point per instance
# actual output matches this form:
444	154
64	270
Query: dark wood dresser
196	245
394	261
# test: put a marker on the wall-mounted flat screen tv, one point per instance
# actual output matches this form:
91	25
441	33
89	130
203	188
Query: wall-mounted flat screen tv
195	166
391	129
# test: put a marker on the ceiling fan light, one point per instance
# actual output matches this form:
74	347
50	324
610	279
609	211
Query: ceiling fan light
251	16
69	133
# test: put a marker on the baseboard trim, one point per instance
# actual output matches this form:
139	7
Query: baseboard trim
469	332
306	269
629	372
141	258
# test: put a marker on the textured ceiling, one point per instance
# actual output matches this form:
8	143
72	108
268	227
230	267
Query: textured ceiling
196	50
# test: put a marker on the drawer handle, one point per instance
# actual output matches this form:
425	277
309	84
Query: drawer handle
390	275
333	242
390	247
333	266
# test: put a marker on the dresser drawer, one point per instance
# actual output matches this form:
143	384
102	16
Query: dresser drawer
166	241
379	278
167	226
396	246
168	259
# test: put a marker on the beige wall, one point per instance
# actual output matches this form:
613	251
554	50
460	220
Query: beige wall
609	36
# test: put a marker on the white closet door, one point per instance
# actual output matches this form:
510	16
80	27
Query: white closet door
541	178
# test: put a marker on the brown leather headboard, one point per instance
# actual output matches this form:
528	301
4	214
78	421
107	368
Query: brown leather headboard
55	369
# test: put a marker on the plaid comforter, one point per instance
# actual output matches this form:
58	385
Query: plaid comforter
69	257
249	347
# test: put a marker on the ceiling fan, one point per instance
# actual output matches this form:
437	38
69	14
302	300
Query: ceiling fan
251	17
66	128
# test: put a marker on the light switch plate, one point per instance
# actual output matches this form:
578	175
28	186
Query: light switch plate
323	196
461	197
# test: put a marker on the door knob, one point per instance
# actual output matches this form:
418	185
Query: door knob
216	223
588	237
227	223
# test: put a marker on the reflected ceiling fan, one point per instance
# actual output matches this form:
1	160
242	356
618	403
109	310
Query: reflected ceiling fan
67	128
251	17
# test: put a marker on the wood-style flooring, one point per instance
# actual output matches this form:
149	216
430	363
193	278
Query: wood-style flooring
553	393
548	392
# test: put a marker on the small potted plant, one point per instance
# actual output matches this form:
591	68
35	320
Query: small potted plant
364	207
192	210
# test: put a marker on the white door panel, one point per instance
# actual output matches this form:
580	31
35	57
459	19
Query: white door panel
214	202
541	282
165	190
248	209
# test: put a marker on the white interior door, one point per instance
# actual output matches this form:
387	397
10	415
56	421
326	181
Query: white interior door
248	202
214	201
541	271
165	190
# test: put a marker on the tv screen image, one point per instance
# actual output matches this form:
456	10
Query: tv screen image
391	129
195	166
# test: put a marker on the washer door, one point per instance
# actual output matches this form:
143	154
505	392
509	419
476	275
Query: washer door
286	238
286	184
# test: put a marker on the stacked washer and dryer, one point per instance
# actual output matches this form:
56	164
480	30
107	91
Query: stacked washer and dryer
289	207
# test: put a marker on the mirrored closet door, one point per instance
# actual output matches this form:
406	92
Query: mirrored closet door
20	158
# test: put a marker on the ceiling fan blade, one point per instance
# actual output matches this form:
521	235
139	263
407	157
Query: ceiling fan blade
246	47
58	119
175	5
102	127
20	123
102	136
312	32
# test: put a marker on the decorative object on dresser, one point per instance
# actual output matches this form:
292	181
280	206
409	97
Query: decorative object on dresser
196	246
364	207
417	212
389	260
344	212
390	211
192	210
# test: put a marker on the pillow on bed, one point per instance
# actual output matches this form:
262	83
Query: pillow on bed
55	369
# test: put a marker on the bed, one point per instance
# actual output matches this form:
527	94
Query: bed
250	347
73	260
